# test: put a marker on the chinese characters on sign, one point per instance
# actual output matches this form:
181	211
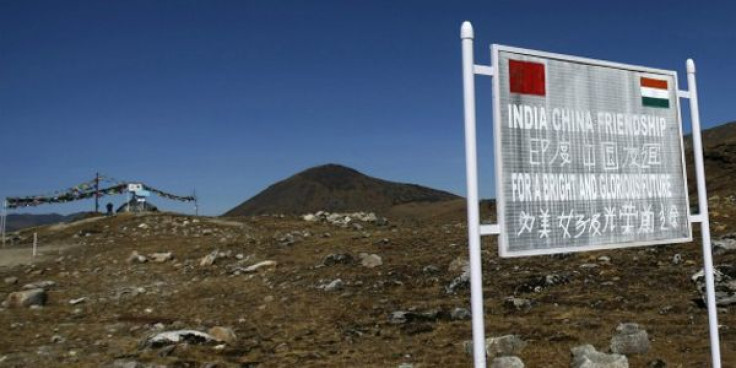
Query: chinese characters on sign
589	154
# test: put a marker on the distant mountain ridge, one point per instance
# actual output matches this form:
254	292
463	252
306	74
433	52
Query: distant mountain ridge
20	220
333	188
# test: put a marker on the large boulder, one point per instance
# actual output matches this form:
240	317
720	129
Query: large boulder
507	345
630	339
507	362
26	298
502	346
586	356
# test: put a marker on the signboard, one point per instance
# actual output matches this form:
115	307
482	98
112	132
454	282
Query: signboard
588	154
135	187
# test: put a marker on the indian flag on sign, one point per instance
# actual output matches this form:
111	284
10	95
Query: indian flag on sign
655	92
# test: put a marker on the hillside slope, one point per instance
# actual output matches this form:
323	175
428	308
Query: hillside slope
719	155
335	188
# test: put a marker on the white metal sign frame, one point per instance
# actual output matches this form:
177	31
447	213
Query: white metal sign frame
476	230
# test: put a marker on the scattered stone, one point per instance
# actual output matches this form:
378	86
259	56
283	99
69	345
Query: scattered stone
630	339
175	337
77	301
725	285
398	317
604	260
209	259
517	303
39	285
288	239
677	259
161	257
458	283
459	264
657	363
460	314
26	298
136	258
508	345
334	285
370	260
343	219
260	265
223	334
401	317
723	245
143	226
431	270
57	339
11	280
507	362
122	363
538	283
338	258
586	356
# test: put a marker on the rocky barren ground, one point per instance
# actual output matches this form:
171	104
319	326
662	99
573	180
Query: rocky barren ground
273	291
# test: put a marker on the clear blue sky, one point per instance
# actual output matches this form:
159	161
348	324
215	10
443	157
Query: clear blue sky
231	96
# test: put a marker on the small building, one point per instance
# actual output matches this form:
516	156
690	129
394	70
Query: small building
137	205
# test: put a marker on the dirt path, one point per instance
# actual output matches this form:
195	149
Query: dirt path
23	254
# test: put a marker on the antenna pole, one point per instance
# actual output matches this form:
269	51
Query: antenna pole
196	202
97	192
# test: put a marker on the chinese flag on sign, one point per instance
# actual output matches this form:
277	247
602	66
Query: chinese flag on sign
527	77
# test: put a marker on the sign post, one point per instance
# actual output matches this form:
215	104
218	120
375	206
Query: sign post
588	156
35	245
3	220
715	346
471	166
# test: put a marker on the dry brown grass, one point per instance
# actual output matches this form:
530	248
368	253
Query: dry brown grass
306	327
